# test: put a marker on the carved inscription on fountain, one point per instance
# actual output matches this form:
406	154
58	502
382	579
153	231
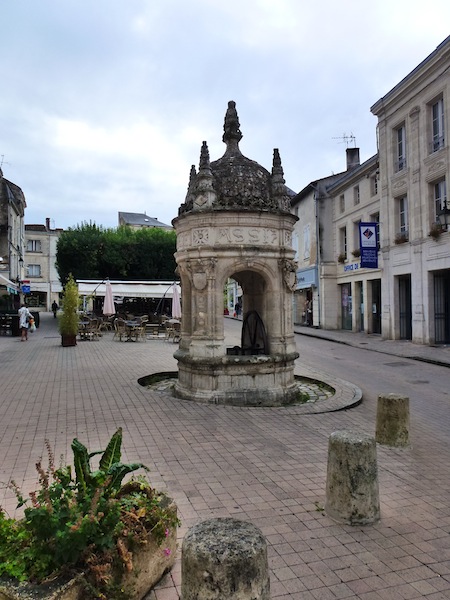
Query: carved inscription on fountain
223	236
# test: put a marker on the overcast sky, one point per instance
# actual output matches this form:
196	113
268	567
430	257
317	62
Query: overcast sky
104	104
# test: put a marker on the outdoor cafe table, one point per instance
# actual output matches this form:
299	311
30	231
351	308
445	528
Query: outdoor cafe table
132	328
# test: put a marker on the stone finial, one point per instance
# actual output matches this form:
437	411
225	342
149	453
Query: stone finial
204	194
192	176
231	131
205	166
278	182
277	172
188	202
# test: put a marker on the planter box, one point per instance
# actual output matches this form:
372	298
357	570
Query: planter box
150	563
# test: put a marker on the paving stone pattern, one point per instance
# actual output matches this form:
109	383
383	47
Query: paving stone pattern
262	465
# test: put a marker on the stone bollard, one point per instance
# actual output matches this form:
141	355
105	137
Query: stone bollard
224	559
352	495
392	427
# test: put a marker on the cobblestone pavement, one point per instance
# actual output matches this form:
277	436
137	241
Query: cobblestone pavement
264	465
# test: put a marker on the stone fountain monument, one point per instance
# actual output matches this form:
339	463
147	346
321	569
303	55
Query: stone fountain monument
236	223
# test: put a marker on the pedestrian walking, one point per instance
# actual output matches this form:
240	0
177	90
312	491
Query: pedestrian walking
54	308
24	317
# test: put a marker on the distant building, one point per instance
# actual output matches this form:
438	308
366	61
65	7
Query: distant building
313	243
40	268
12	209
137	220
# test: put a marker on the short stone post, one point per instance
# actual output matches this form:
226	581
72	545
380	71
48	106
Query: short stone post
224	559
352	495
392	427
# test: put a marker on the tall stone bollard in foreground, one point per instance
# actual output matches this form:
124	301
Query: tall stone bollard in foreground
352	495
224	559
392	428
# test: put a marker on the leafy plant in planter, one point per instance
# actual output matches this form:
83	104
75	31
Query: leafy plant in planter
401	238
68	319
356	252
342	257
91	524
436	231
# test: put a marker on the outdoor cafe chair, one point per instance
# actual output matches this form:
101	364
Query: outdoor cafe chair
94	329
120	329
172	330
142	334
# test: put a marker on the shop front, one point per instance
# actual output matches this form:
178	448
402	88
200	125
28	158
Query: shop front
306	303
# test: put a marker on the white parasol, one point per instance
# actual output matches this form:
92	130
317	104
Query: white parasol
176	303
108	305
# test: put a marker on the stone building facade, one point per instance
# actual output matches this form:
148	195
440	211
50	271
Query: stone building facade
12	239
413	127
404	190
40	269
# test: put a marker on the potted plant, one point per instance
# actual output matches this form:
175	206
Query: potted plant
342	257
436	231
401	238
68	319
356	252
83	537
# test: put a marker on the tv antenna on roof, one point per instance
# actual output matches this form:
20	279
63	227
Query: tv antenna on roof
346	139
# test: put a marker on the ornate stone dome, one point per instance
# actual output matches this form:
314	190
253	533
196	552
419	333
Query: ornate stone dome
234	182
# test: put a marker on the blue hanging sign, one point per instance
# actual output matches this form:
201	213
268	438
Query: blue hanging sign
368	245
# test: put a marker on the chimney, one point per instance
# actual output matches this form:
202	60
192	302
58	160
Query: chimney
352	158
47	224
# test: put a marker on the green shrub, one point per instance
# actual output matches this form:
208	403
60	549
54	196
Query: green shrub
89	523
68	319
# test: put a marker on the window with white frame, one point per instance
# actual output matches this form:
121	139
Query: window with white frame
306	241
374	185
295	243
356	236
400	148
34	270
33	245
437	125
375	218
356	195
440	201
343	241
402	204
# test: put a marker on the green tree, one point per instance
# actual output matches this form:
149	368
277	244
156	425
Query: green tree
91	252
78	250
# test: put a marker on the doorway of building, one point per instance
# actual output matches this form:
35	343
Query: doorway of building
346	306
405	306
376	305
442	307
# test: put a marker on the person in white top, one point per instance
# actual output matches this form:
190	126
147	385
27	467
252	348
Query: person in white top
24	315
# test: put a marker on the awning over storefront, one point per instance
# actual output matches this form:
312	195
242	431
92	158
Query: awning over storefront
306	278
10	286
128	289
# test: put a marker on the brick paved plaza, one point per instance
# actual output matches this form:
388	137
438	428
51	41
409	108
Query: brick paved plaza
264	465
